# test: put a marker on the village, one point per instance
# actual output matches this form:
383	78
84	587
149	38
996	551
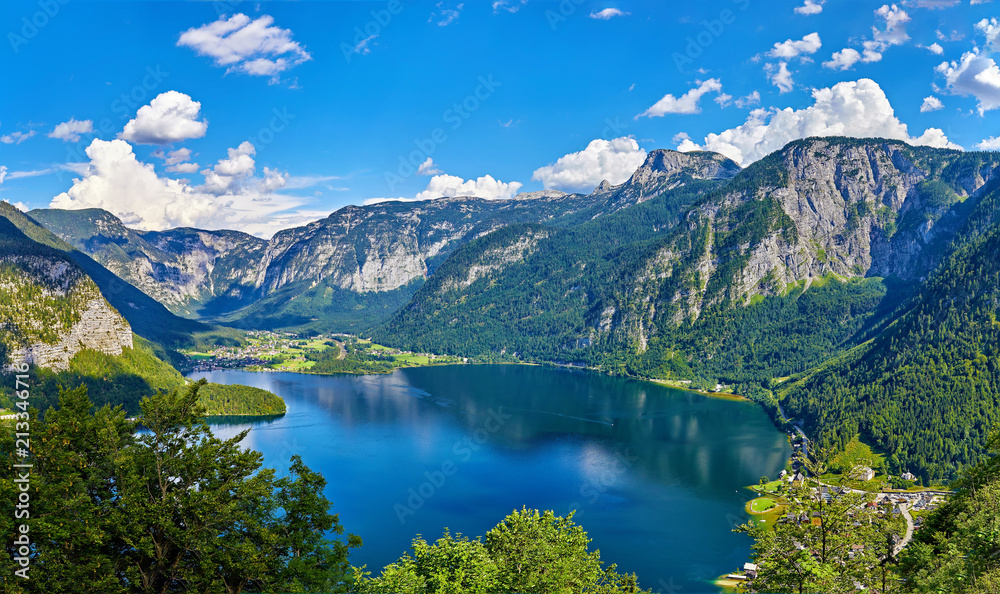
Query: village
287	351
895	498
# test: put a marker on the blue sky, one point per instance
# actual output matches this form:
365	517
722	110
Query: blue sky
264	115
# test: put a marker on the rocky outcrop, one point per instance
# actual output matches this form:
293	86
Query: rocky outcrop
820	207
51	311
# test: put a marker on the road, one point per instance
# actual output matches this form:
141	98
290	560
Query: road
905	510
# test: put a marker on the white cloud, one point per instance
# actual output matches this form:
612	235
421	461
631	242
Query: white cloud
843	60
977	2
169	117
428	168
780	76
989	144
937	4
253	47
748	101
607	14
508	5
893	32
975	75
723	99
16	137
118	182
447	16
791	48
934	48
991	31
686	103
363	46
810	7
446	186
850	108
3	173
895	20
70	131
931	103
173	157
613	160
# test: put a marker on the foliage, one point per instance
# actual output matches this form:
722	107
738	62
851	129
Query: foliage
958	550
167	509
836	544
222	399
528	551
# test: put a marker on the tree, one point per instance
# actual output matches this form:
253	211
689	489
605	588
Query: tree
170	508
529	551
826	544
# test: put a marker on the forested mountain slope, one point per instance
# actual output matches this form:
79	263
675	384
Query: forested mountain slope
927	389
355	267
146	316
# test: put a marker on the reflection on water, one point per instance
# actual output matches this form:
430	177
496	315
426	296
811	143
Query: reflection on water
655	473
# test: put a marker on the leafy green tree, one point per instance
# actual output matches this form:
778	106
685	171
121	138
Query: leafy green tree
826	545
530	551
169	508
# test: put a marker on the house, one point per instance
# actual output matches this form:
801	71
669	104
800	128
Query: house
863	473
750	569
908	476
782	474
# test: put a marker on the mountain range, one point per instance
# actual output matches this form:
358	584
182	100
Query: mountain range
851	281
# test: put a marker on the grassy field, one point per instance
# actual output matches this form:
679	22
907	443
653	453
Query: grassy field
761	505
413	359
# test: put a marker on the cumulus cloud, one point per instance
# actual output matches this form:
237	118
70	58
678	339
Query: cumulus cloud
844	59
989	144
16	137
792	48
177	161
975	75
889	30
613	160
3	173
990	28
780	76
70	131
934	48
428	168
169	117
810	7
931	103
686	103
607	14
254	47
850	108
445	186
118	182
749	100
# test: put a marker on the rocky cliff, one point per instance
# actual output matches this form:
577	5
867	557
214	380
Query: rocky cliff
51	310
820	207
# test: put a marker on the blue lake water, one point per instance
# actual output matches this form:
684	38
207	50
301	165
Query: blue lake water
656	474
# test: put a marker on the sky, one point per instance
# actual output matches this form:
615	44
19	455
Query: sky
260	116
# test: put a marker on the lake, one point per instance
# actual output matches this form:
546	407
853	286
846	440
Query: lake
656	474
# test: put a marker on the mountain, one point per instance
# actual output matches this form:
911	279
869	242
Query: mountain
826	259
350	270
146	316
188	270
927	389
50	309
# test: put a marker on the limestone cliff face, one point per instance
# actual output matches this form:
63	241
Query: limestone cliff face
184	269
819	207
665	170
51	311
